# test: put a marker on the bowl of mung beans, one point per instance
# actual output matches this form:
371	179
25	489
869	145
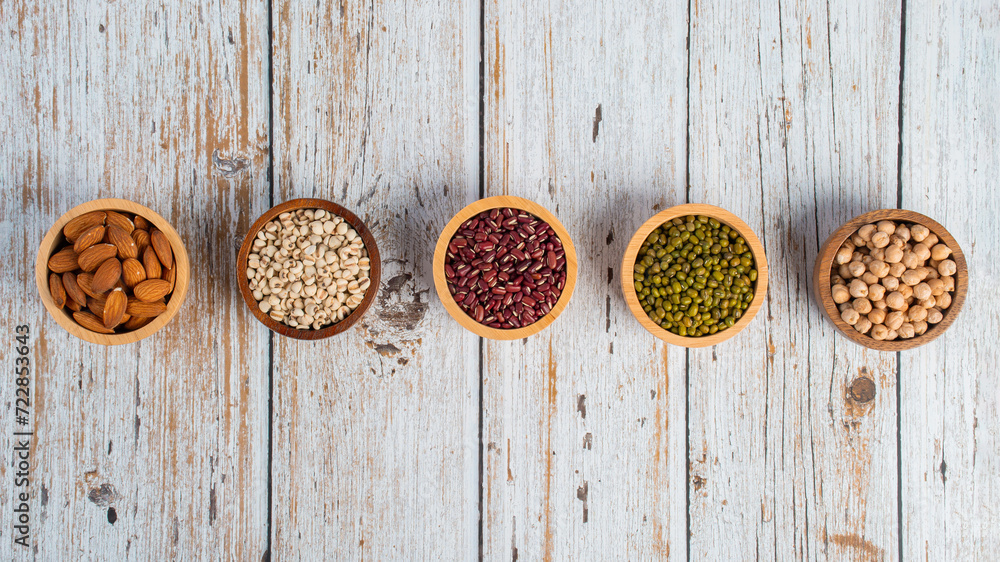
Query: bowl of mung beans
694	275
504	267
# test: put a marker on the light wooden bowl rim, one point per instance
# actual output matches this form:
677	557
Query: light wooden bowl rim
63	316
723	216
822	272
441	283
375	273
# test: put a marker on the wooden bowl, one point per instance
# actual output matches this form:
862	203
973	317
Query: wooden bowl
441	283
54	238
824	265
375	274
723	216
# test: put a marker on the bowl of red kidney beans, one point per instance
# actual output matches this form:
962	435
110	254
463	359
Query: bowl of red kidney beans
504	267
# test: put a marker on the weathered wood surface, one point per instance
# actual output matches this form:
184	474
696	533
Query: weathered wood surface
158	449
950	391
375	437
409	438
583	424
793	126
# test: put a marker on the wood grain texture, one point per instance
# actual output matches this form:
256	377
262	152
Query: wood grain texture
375	430
793	127
632	251
441	281
950	390
583	424
165	106
824	268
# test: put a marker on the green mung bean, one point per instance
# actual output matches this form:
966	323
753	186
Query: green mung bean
695	276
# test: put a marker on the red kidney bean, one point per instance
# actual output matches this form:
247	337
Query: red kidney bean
505	268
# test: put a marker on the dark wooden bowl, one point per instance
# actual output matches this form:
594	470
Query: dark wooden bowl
375	274
824	265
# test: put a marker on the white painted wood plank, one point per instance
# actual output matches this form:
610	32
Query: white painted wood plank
949	389
171	433
793	128
584	422
376	430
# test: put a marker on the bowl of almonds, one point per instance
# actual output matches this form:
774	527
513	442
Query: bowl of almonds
891	279
308	269
112	271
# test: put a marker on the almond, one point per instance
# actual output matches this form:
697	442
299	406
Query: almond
96	306
121	221
86	282
170	276
57	291
91	322
141	239
114	308
141	223
121	239
151	290
73	305
64	260
94	256
73	289
151	263
136	322
144	309
83	223
132	272
162	248
107	275
88	239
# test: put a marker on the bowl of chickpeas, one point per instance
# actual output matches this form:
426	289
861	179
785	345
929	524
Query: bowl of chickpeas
891	279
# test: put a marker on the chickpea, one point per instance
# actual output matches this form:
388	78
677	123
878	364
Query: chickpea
906	291
843	255
936	286
910	277
947	267
887	227
858	288
931	240
910	260
880	305
863	325
844	306
862	305
879	268
921	291
894	320
943	300
932	273
858	241
923	272
869	277
844	271
837	280
895	301
903	232
940	252
893	254
840	294
929	302
878	254
906	331
918	232
919	328
876	316
876	292
896	242
866	259
949	282
879	332
893	334
850	316
856	268
890	282
934	315
922	251
880	240
896	269
866	231
916	313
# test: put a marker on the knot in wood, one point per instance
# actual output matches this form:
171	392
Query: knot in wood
862	389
